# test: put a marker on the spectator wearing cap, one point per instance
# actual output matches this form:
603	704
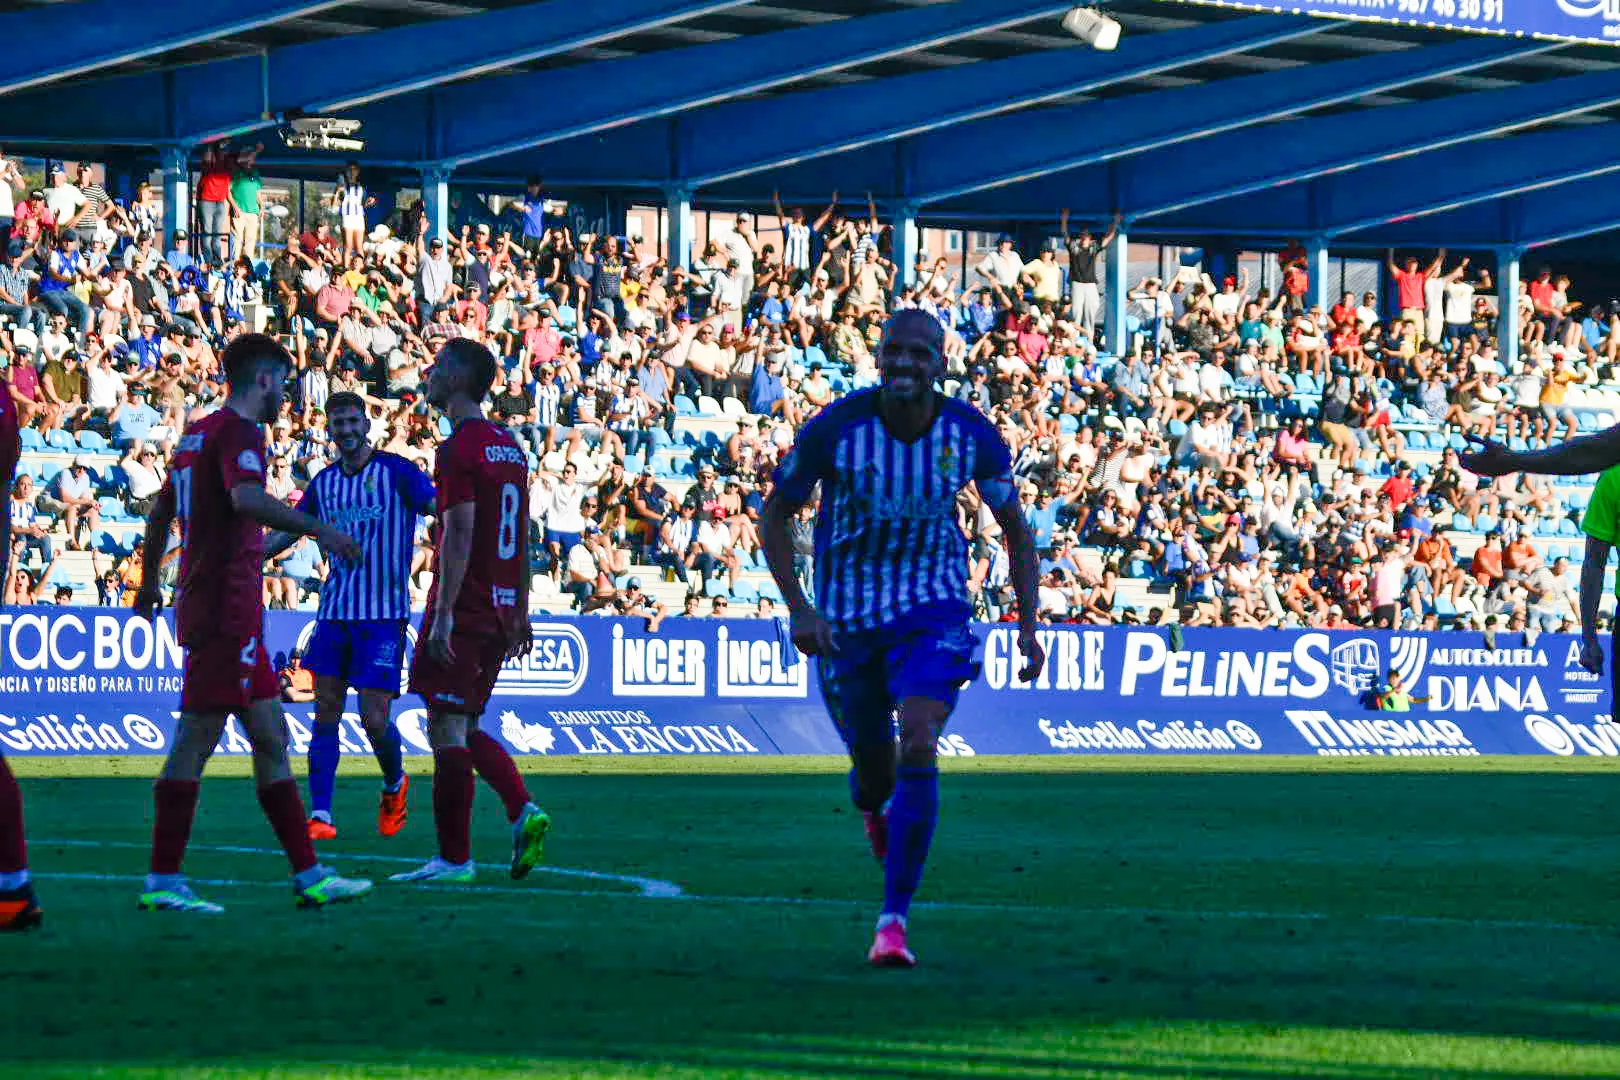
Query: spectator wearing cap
434	272
297	681
65	268
144	474
178	258
15	303
633	602
714	546
631	415
62	383
1085	291
72	494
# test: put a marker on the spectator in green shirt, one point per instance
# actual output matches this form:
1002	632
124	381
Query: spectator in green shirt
246	182
1395	698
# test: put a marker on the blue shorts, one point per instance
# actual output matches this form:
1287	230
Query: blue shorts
872	673
367	654
564	540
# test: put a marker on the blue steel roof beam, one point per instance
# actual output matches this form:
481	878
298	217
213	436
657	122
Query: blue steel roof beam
1462	176
596	97
794	128
347	72
1265	157
65	40
1015	149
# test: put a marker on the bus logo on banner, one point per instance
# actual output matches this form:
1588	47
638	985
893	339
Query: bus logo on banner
554	667
1355	665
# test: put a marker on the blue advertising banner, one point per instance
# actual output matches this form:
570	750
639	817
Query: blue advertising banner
1592	21
100	681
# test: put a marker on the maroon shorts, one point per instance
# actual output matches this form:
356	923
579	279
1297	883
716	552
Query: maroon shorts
465	685
226	675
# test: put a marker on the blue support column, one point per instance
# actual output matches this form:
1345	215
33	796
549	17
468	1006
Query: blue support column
1507	314
176	164
436	200
1118	286
1317	262
907	242
680	226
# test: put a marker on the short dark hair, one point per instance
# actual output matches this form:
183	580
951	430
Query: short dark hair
249	354
345	399
474	361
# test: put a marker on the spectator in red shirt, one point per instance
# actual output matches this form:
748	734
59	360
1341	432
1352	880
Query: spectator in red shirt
1399	487
1345	311
1409	284
214	196
1487	564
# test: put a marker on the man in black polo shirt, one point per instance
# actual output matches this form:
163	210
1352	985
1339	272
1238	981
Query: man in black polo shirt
1085	295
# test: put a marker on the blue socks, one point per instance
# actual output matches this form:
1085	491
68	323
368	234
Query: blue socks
323	762
912	816
390	756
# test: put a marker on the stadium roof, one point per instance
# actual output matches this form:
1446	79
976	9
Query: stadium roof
949	112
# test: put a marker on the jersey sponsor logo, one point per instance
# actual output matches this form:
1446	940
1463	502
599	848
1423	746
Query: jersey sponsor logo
659	666
1177	736
1556	734
248	461
502	454
347	518
754	667
554	666
1381	735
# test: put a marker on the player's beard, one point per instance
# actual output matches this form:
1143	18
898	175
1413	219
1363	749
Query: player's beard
350	444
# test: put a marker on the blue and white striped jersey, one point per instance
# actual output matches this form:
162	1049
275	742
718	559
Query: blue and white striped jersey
379	507
887	541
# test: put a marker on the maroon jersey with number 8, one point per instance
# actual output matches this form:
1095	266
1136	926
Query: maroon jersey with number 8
221	587
482	464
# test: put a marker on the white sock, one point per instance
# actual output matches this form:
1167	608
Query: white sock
305	878
15	880
889	920
321	815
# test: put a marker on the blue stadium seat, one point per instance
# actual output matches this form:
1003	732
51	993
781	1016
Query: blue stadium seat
61	440
1304	383
745	592
771	592
815	354
32	439
1177	429
1567	527
633	463
685	406
445	429
112	509
1068	424
93	442
716	587
658	437
1485	523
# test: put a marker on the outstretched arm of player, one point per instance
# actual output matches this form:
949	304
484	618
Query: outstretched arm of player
159	520
811	633
1592	571
1587	454
1000	495
455	551
277	542
258	504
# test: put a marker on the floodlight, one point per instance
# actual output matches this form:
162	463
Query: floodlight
1092	27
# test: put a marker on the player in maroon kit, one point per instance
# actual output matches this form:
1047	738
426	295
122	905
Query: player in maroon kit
477	615
215	489
18	908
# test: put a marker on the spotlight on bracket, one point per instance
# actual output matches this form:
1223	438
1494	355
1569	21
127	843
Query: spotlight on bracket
1093	28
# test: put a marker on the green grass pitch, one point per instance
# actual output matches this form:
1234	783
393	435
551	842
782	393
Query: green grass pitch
1137	920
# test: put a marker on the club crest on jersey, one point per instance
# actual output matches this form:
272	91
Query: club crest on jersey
947	462
371	483
248	461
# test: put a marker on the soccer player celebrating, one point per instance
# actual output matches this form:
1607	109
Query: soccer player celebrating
477	615
359	638
215	489
890	623
19	910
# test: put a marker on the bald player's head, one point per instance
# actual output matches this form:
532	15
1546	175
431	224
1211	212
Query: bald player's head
911	355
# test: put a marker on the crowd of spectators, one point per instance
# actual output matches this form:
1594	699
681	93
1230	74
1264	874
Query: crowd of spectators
1245	454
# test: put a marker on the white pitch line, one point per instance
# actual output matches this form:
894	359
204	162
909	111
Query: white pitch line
654	888
671	891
